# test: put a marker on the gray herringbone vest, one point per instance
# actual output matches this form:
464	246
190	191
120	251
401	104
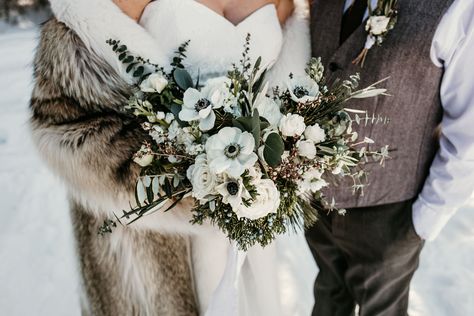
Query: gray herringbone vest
414	107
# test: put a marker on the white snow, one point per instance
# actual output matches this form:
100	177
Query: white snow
38	273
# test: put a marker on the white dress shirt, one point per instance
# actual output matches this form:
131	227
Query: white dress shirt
451	179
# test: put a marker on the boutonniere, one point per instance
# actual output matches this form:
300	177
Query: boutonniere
381	20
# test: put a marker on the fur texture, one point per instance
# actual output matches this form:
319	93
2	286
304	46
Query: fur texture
86	140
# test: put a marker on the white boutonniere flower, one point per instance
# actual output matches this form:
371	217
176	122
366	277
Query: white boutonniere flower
377	25
381	20
231	151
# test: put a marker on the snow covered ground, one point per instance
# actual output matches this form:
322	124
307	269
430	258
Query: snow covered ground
37	266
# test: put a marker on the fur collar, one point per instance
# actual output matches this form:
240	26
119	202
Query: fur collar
96	21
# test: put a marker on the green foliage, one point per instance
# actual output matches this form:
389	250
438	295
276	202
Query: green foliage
182	78
273	149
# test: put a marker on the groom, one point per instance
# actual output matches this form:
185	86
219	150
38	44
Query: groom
368	257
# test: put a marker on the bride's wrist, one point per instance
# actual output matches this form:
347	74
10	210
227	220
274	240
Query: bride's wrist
132	8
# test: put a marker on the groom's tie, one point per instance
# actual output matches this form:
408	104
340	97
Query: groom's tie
352	18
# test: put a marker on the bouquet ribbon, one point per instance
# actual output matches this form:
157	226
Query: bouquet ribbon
225	299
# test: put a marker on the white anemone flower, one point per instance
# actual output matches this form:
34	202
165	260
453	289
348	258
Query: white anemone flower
303	89
200	105
232	191
231	151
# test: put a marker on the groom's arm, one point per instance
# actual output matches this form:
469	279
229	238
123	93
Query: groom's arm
451	179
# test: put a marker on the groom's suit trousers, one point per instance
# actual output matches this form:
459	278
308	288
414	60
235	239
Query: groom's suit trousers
366	257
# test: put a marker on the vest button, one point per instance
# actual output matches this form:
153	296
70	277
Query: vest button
333	66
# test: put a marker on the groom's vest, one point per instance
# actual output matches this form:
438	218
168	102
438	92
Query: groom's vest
414	109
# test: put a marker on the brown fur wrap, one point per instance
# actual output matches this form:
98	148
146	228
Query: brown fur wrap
88	142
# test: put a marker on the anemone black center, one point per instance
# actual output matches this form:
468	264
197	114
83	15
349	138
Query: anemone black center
233	188
202	104
300	92
232	150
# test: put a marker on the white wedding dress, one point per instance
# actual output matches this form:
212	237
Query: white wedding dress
278	279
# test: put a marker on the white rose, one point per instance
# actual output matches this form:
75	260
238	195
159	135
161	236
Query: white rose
306	148
315	133
154	83
269	109
266	202
203	180
292	125
377	24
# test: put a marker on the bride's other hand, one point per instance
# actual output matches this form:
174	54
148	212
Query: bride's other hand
132	8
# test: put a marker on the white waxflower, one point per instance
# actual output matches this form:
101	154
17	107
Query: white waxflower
174	130
144	156
158	134
303	89
306	148
204	181
231	151
266	202
292	125
200	105
311	181
232	191
377	24
169	117
154	83
269	109
315	133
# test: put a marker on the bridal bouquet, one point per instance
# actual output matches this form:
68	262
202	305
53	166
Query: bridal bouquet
252	158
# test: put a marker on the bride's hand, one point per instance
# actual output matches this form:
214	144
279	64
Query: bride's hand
132	8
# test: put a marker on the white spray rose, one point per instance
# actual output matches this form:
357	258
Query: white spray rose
315	134
266	202
306	148
292	125
154	83
311	181
377	24
144	156
203	180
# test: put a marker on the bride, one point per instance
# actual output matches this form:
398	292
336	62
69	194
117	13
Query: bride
160	265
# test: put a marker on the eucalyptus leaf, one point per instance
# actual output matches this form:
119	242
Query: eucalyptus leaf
139	71
183	79
273	150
